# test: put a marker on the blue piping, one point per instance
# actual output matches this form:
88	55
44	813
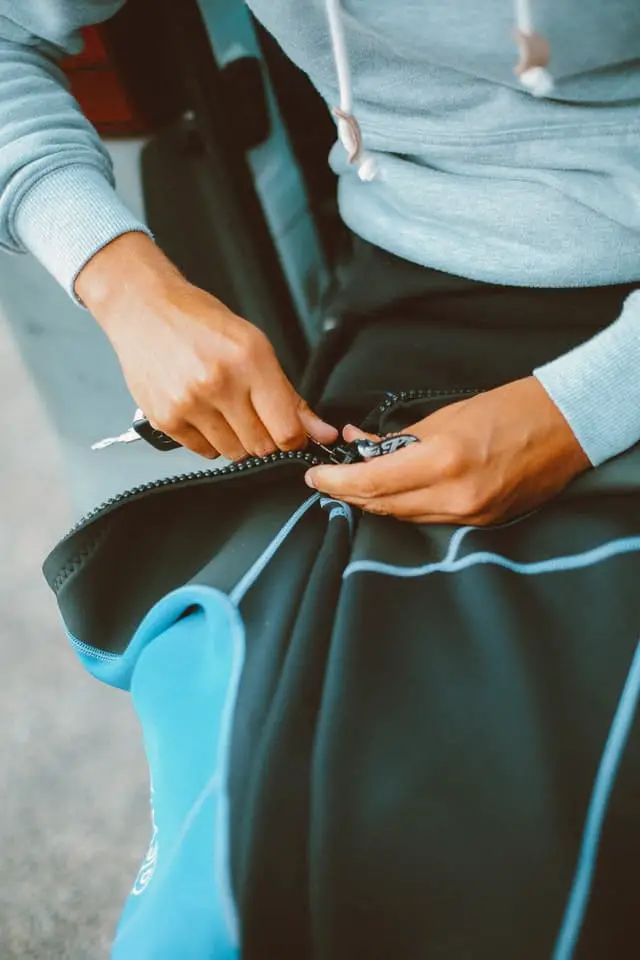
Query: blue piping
602	789
618	734
254	571
452	565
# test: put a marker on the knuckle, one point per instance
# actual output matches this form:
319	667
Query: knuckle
171	423
379	509
369	487
449	456
241	357
180	408
205	374
252	347
469	500
289	437
209	381
256	339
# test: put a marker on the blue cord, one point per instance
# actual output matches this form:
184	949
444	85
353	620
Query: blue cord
602	789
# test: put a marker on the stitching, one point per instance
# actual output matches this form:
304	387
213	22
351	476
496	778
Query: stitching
84	649
75	563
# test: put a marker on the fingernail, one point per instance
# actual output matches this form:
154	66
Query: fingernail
308	479
324	426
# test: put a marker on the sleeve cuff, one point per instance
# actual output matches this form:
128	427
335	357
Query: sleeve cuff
596	386
67	216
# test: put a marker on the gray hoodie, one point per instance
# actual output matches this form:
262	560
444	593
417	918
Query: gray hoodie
493	139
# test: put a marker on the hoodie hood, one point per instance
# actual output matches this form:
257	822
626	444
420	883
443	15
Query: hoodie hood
531	69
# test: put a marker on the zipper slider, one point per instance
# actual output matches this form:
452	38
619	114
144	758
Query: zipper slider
358	450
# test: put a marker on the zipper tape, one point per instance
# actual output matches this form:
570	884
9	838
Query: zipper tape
251	463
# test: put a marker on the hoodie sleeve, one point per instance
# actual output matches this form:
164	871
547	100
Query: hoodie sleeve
596	386
57	199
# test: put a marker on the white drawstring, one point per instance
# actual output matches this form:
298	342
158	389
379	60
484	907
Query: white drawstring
524	15
534	52
341	56
348	126
531	70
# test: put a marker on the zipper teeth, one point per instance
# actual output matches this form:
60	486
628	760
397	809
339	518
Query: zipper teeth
394	398
250	462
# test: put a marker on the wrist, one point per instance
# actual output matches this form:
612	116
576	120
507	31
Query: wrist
129	270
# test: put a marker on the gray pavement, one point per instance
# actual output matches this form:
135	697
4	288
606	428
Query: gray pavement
73	807
74	819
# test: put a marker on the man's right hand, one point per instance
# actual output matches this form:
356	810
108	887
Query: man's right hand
203	375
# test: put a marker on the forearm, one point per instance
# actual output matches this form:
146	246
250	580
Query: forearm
597	386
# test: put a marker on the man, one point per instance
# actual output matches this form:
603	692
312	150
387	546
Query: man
420	717
464	167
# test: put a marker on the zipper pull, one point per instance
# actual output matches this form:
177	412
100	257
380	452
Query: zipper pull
359	450
368	449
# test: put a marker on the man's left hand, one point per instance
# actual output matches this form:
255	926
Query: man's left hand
481	461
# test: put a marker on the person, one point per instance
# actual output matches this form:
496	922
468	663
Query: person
453	161
487	159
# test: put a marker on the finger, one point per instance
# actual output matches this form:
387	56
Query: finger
417	506
214	427
249	429
406	469
286	416
314	425
351	433
276	405
193	440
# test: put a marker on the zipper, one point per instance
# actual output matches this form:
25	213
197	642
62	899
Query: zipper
183	479
249	463
394	398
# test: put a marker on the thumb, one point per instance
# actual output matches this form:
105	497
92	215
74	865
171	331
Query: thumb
314	426
351	433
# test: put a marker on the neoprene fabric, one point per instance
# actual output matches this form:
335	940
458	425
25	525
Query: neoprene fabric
369	738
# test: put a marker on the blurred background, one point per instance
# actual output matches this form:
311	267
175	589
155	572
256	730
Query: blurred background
73	783
73	794
247	209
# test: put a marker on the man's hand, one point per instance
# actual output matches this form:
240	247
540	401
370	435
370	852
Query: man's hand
481	461
203	375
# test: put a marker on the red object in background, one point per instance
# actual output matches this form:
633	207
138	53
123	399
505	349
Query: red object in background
101	90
